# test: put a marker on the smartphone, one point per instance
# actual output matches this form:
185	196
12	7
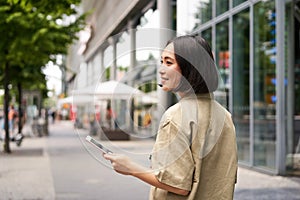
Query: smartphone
97	144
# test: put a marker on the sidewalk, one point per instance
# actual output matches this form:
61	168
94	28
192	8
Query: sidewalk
26	174
252	185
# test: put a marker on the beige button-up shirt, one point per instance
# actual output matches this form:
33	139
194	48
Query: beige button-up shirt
196	150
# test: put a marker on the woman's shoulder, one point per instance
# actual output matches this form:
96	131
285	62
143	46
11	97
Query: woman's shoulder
181	111
172	113
173	109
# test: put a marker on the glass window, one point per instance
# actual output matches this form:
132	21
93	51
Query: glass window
207	35
221	6
292	49
264	84
202	12
240	83
237	2
222	58
296	135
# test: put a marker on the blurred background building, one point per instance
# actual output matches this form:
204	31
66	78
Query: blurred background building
256	46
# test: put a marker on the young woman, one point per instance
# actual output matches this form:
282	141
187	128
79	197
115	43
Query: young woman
195	153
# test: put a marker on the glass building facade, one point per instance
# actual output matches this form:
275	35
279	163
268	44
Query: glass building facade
256	48
256	45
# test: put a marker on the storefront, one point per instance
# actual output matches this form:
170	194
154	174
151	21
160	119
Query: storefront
256	44
256	47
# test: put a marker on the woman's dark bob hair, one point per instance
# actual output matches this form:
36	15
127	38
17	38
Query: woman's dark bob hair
195	59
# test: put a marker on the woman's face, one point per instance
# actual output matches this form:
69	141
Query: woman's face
170	72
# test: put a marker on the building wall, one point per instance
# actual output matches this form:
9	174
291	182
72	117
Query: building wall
106	18
247	38
109	17
244	40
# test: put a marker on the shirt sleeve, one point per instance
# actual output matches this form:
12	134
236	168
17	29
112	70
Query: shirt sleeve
172	158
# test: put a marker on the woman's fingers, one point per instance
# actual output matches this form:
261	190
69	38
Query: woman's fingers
109	156
119	163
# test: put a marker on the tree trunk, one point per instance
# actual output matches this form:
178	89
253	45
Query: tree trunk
6	104
20	111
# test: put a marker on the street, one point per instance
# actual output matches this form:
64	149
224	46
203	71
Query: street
80	172
64	166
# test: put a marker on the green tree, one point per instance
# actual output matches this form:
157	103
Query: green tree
33	32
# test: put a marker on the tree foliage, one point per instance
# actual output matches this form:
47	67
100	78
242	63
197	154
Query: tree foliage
32	33
32	30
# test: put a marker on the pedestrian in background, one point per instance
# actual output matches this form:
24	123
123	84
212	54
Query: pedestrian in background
12	117
195	153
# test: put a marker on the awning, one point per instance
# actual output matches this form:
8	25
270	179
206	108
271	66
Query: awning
148	98
110	90
76	99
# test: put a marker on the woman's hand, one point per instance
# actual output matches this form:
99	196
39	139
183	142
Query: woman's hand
123	164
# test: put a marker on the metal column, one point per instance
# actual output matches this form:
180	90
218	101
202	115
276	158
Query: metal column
291	78
280	89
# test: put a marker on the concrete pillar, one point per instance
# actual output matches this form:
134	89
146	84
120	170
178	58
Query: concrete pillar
132	50
102	67
113	70
165	34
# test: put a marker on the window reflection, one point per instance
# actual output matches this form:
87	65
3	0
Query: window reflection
240	84
203	12
222	57
292	30
264	84
237	2
221	6
207	35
